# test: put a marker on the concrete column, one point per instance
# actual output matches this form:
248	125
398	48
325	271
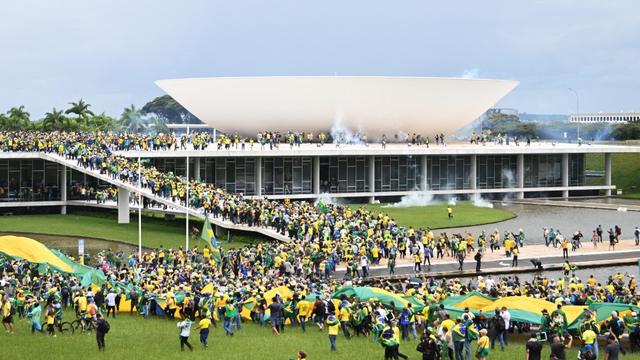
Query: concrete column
473	176
607	172
123	206
372	178
63	190
259	176
425	174
565	174
196	168
316	175
520	176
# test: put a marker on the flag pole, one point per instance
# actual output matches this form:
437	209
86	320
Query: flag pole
139	210
186	224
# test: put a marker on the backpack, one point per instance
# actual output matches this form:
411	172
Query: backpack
105	327
427	347
500	324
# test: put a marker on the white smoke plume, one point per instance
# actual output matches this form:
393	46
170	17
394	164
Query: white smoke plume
470	73
452	201
483	203
511	182
327	199
342	134
413	200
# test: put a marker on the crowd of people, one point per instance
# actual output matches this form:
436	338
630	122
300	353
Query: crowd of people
322	237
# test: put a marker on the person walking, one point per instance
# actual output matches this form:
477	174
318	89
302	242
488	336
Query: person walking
204	326
102	328
110	299
478	258
184	328
636	234
333	326
514	254
450	212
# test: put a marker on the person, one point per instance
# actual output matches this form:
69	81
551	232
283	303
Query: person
110	299
7	313
277	315
612	240
204	326
450	212
612	350
428	346
333	326
498	328
506	316
558	347
102	328
636	234
184	328
478	258
483	345
533	348
514	253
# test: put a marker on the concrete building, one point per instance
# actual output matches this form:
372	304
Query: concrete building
607	118
356	172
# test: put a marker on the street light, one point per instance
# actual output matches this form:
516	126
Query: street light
577	111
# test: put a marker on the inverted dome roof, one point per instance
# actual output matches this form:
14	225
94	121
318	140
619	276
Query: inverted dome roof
371	105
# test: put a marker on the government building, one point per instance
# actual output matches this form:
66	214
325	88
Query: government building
354	170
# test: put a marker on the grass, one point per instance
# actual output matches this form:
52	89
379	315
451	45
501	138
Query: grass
132	337
625	172
156	230
435	216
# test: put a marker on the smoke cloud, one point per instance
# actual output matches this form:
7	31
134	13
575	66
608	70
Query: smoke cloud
342	134
483	203
413	200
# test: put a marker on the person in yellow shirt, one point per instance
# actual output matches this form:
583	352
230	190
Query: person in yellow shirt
483	345
302	310
51	319
333	327
204	326
345	318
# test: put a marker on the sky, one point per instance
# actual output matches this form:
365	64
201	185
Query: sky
110	52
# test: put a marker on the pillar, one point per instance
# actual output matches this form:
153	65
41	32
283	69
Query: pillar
607	172
196	168
123	206
259	176
565	175
316	175
425	174
473	176
372	178
63	190
520	176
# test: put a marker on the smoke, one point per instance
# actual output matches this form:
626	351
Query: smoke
470	73
342	134
622	209
483	203
507	175
327	199
453	201
413	200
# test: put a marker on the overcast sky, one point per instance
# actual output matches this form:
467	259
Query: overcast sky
110	52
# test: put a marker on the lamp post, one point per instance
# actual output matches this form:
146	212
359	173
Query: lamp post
577	111
139	210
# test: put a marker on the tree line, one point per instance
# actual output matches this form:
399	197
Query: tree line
153	117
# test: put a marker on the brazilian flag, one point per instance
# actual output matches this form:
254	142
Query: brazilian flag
207	232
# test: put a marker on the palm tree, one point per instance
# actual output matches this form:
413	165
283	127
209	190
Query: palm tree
53	120
19	119
132	119
158	125
81	110
102	122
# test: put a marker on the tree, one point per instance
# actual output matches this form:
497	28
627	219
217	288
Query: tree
132	119
158	125
81	110
103	122
53	120
17	119
169	111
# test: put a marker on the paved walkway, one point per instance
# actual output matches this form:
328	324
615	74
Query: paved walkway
626	249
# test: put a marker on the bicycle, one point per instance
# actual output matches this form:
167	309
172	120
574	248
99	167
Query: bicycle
89	325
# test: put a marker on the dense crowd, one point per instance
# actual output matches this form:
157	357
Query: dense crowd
322	236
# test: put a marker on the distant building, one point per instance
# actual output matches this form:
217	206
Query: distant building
609	118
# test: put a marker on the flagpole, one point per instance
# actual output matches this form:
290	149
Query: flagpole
139	210
186	224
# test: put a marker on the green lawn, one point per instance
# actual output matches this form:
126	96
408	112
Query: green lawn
435	216
156	230
625	172
136	338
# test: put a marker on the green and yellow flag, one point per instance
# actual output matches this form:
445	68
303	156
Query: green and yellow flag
207	232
